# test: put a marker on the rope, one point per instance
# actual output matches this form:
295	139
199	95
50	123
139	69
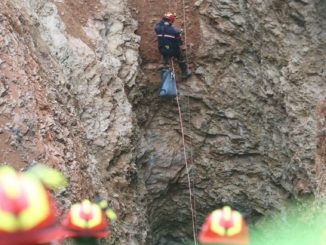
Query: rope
189	115
191	196
169	5
184	27
191	156
175	6
185	159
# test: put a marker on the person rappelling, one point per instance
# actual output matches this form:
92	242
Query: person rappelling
170	42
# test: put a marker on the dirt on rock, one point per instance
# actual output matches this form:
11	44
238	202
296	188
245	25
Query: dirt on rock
75	20
34	126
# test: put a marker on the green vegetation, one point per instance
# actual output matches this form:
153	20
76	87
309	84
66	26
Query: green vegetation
297	224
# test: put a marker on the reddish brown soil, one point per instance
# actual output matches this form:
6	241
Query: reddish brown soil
148	12
75	14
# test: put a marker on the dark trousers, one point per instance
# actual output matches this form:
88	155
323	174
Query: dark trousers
178	55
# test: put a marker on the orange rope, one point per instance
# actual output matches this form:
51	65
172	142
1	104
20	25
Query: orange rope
185	159
191	158
184	27
189	116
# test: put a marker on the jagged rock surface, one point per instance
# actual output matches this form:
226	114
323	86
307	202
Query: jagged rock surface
251	119
321	150
34	125
74	94
65	70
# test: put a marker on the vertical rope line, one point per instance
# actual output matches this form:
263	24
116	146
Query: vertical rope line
185	159
169	5
185	29
191	159
189	115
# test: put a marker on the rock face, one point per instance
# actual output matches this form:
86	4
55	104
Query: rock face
249	114
65	73
321	150
35	127
76	93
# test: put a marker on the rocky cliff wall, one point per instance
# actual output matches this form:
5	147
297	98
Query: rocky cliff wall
76	93
35	126
321	150
66	67
249	112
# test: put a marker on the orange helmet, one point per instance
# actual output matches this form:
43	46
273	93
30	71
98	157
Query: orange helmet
27	212
224	226
85	219
170	17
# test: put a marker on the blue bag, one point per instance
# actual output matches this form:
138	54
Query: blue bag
168	84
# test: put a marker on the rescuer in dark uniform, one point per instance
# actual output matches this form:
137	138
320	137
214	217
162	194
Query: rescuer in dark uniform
169	43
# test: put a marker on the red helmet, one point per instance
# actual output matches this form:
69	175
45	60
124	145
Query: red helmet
85	219
224	226
170	17
27	212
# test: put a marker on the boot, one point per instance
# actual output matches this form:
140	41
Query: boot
185	72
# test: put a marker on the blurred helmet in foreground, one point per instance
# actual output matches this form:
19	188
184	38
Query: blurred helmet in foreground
224	226
27	211
86	219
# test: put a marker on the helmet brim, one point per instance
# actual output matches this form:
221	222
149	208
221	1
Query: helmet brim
36	236
85	233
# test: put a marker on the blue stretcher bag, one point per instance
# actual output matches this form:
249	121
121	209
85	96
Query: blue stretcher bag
168	84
